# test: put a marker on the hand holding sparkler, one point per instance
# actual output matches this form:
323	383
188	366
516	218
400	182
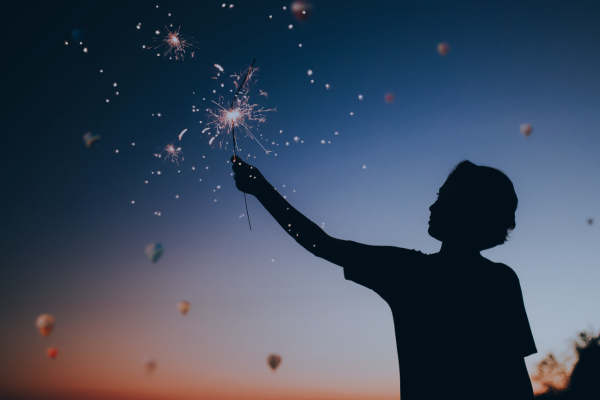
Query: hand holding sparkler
248	178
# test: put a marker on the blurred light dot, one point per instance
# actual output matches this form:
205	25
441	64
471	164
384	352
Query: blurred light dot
223	5
322	142
312	81
177	196
336	133
115	84
327	86
360	96
133	144
309	72
66	43
117	151
364	167
146	182
296	139
299	44
138	27
351	113
270	16
284	7
158	172
132	202
231	6
107	100
85	49
290	26
101	71
157	32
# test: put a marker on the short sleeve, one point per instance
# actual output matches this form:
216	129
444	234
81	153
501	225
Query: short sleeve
516	324
378	267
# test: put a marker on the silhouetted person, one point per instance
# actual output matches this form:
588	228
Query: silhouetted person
461	327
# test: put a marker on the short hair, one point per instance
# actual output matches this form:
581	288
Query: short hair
491	197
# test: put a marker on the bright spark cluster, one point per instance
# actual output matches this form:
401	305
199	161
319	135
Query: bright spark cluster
242	116
173	43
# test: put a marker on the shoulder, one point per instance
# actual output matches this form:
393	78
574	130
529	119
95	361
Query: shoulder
503	276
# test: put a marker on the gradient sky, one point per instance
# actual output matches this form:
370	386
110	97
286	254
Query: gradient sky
73	244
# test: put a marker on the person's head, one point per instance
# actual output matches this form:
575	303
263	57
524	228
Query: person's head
475	207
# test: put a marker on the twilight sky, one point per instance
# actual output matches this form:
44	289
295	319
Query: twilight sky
73	243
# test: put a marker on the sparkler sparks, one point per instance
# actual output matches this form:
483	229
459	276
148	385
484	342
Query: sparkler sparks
170	152
174	43
240	114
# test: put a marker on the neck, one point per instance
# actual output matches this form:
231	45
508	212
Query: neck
458	251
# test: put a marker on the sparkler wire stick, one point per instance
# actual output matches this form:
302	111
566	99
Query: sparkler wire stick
233	132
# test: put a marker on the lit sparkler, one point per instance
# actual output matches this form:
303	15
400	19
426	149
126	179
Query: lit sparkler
240	114
174	43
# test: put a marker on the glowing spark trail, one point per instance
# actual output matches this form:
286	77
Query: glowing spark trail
219	67
174	43
182	132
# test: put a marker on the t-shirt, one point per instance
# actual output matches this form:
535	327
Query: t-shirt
455	338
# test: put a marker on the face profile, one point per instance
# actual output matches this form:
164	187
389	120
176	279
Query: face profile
475	208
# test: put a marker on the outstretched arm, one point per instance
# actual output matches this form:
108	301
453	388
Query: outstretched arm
249	180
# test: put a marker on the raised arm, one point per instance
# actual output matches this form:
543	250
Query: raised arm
374	267
248	179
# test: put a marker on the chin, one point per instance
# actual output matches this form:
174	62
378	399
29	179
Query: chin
433	233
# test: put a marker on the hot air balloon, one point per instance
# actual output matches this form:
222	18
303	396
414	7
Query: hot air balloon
274	360
526	129
389	98
45	324
443	49
183	307
91	139
149	365
154	251
302	9
52	352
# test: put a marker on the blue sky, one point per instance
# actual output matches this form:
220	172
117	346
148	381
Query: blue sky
74	243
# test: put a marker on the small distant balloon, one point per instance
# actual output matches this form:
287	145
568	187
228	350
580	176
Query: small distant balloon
77	34
52	352
389	98
184	307
302	9
91	139
149	365
443	49
274	360
590	221
154	251
526	129
45	324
